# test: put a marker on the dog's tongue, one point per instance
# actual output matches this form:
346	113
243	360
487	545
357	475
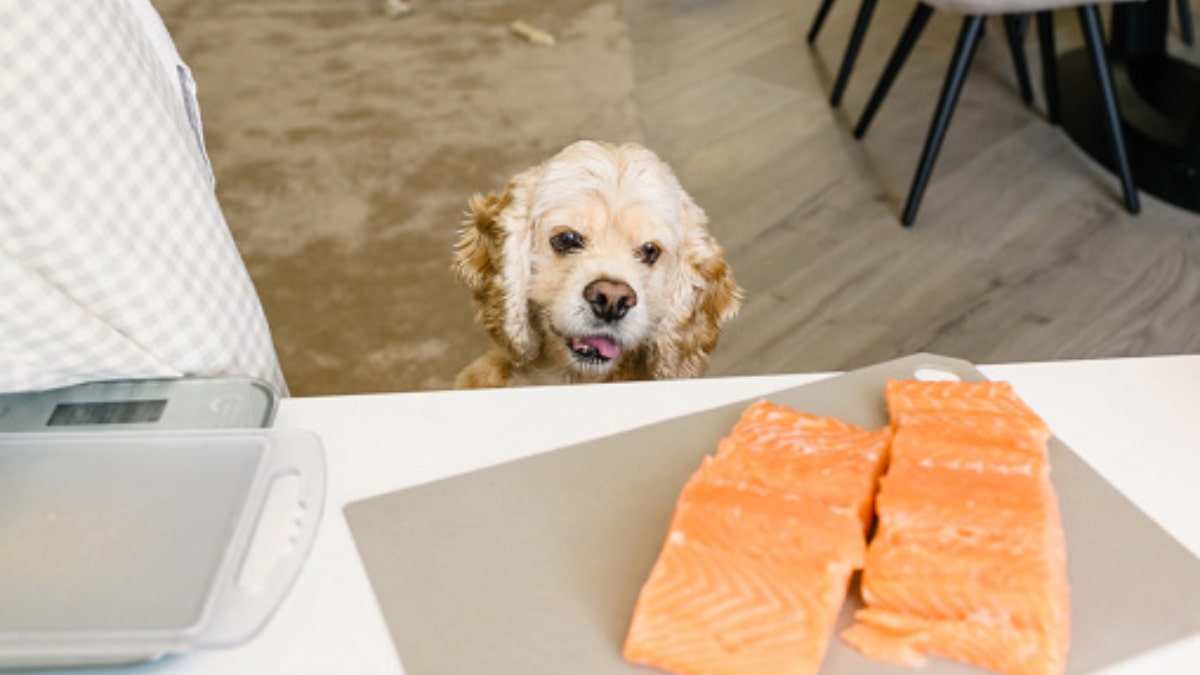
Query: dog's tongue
604	346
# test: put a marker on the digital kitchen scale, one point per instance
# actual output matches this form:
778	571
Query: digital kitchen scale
141	518
151	404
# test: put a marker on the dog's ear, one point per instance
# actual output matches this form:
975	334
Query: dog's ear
492	257
708	297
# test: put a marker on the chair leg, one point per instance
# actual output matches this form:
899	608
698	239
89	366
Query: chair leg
1089	21
1185	21
1016	45
1023	25
819	20
968	40
852	48
1045	24
912	31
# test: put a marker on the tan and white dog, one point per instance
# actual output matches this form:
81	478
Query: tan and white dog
593	266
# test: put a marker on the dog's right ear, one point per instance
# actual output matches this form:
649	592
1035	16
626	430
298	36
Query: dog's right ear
492	257
477	253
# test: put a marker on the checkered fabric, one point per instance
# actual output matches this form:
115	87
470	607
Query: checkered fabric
115	258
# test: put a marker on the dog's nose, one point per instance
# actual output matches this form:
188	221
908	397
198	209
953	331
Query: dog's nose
610	300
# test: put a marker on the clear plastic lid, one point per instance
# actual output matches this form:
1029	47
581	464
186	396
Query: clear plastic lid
119	547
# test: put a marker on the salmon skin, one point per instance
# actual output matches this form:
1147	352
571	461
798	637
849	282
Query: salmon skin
761	547
968	561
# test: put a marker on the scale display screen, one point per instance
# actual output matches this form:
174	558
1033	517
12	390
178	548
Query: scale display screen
106	412
145	405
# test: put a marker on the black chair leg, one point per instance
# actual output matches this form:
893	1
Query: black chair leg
1045	24
819	20
916	24
1089	20
1023	25
1016	45
968	40
852	48
1185	21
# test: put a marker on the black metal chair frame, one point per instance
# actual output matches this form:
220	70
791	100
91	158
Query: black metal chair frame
964	51
867	9
1014	27
857	34
1185	21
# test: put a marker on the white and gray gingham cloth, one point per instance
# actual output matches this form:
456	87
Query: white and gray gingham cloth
115	258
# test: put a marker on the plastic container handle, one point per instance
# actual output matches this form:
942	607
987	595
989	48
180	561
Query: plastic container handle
242	606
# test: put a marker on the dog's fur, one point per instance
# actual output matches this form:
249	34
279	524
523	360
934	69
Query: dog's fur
593	213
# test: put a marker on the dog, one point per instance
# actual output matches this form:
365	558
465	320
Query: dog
594	266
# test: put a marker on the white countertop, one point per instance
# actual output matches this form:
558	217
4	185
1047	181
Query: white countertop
1136	421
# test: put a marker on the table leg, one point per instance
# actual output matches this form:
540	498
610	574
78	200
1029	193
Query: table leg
1159	99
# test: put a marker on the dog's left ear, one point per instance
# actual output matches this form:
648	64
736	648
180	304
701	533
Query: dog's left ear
492	257
708	298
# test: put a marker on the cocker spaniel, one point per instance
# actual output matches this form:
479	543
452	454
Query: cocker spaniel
594	266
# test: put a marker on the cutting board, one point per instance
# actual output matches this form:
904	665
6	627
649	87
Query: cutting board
534	566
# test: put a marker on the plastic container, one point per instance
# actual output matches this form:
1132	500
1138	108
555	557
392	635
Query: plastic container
119	547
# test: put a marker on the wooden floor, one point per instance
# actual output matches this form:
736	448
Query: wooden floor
1021	251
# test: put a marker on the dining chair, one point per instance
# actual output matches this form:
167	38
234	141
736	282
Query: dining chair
1014	27
974	13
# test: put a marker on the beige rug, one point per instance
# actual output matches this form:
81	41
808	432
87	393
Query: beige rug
346	144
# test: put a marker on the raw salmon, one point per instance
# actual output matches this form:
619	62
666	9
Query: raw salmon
968	560
761	547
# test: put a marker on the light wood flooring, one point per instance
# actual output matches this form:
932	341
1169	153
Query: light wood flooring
1021	251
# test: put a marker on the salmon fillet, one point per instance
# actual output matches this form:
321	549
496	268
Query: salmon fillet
968	560
761	546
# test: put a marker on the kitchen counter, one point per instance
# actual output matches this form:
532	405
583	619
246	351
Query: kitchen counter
1136	421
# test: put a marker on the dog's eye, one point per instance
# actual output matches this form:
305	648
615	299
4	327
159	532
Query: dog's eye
566	241
649	253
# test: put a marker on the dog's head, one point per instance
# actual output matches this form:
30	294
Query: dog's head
597	263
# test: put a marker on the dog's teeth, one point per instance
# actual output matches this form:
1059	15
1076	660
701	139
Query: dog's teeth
587	351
